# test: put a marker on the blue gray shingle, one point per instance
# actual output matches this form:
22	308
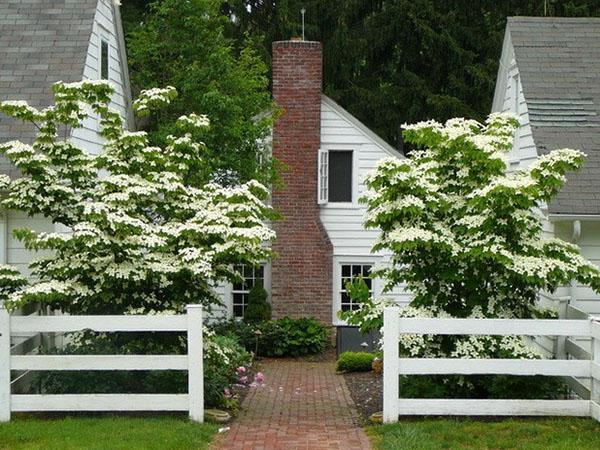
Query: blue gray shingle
41	42
559	66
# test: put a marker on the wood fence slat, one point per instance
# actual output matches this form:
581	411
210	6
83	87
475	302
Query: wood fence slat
99	362
51	324
100	402
443	366
499	327
422	406
576	351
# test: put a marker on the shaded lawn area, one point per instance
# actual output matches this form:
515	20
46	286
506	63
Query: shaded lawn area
105	433
530	434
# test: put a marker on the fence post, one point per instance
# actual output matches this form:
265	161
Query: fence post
195	363
4	364
595	370
391	360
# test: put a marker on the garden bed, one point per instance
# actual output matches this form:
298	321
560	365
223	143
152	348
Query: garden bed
366	390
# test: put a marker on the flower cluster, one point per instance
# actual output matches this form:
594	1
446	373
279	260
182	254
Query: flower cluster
466	237
140	234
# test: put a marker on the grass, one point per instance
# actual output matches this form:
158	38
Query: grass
111	432
530	434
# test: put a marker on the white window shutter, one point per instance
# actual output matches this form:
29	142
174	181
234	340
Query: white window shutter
323	181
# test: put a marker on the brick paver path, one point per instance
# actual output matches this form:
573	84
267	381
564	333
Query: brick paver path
302	405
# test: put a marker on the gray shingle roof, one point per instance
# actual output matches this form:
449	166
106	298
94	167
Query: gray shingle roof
41	41
559	66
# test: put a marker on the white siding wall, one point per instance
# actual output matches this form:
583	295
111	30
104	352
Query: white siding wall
104	28
511	99
351	242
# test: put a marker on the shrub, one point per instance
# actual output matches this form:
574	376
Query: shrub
482	386
282	337
355	362
258	308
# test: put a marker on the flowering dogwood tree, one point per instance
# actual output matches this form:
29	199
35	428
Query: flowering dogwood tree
138	235
465	235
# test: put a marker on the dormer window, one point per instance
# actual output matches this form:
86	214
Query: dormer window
335	176
104	59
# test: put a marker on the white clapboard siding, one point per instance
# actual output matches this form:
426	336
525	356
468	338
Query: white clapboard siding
442	366
100	402
99	362
104	27
478	407
49	324
509	98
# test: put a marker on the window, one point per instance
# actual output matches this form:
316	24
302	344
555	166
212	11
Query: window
335	176
241	291
104	59
349	273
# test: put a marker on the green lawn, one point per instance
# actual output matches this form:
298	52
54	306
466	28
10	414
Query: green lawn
530	434
105	433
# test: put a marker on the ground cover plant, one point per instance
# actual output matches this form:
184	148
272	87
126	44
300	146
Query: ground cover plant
355	361
100	433
531	434
279	338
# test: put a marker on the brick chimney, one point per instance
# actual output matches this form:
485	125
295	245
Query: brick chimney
301	281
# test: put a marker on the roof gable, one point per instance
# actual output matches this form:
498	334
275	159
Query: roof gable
366	131
559	66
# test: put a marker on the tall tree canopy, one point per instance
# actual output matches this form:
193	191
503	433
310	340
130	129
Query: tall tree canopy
184	45
395	61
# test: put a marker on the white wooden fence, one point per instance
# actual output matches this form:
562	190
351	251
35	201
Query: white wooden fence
394	366
193	401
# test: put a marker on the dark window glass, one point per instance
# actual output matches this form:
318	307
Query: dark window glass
340	176
104	60
252	276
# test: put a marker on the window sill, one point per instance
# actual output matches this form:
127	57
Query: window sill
340	205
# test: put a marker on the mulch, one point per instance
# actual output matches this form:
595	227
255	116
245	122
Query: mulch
366	390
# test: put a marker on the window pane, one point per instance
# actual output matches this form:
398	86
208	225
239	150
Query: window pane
104	60
248	272
345	270
238	299
345	298
238	310
259	272
356	271
340	176
344	282
368	282
366	271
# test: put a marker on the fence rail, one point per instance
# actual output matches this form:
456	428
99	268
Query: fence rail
193	401
394	366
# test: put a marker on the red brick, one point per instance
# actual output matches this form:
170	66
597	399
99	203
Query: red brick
302	269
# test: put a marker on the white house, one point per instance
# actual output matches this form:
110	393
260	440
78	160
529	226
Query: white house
43	42
549	76
321	241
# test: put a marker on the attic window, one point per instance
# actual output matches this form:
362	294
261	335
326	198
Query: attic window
335	176
104	59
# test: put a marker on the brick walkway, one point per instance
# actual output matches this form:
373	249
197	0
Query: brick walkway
302	405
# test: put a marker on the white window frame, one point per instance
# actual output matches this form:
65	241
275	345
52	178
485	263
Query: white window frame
323	176
266	285
337	282
103	37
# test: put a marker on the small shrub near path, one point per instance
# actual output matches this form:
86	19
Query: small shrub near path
101	433
530	434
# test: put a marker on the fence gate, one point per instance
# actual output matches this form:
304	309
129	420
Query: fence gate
394	366
193	401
